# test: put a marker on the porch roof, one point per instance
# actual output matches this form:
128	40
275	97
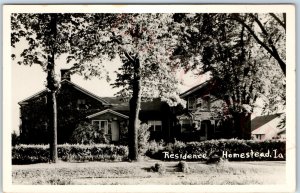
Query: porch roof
108	111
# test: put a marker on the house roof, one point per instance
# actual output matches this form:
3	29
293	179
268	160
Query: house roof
104	102
195	88
118	104
86	92
108	111
32	96
282	131
260	121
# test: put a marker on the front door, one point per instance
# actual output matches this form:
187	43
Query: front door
203	131
114	131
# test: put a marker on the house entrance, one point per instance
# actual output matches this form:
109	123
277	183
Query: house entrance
115	131
203	130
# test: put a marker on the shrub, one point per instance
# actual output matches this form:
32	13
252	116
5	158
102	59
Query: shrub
154	147
27	154
15	139
183	167
86	133
158	167
215	159
143	138
192	150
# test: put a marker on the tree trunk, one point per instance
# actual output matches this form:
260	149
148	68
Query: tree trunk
52	113
242	125
52	87
135	104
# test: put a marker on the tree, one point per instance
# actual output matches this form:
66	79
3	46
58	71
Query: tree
231	53
144	44
47	38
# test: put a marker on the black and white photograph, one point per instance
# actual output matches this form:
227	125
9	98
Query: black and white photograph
149	95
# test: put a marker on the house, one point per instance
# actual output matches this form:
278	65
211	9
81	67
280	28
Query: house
203	120
200	120
75	105
266	127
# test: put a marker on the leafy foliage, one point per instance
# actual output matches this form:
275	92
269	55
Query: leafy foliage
244	54
15	139
144	44
86	133
28	154
218	147
143	138
46	38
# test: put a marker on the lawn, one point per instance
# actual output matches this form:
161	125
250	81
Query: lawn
104	173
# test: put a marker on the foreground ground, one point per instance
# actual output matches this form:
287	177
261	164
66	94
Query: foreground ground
102	173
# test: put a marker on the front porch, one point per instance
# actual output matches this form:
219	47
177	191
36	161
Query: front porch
199	127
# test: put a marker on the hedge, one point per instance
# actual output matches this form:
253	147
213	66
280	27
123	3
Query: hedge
28	154
230	149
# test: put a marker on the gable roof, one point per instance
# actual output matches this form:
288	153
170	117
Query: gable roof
104	102
282	131
108	111
86	92
196	88
32	96
259	121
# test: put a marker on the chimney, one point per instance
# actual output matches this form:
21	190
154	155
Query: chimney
65	74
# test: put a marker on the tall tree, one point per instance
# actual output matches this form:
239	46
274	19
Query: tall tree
144	44
232	53
46	37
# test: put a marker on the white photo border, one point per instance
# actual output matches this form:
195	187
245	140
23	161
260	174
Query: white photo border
290	101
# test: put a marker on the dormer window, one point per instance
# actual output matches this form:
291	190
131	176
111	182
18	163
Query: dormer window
191	103
201	104
205	104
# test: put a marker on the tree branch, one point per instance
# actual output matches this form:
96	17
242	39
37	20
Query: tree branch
120	44
275	53
279	21
271	51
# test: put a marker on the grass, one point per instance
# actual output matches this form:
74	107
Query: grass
229	173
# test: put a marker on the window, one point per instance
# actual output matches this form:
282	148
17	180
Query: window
102	125
205	104
81	104
191	103
155	125
259	136
199	103
185	125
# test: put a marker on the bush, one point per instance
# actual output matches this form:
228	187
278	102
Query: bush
183	167
143	138
15	139
230	149
158	167
154	147
28	154
86	133
215	159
